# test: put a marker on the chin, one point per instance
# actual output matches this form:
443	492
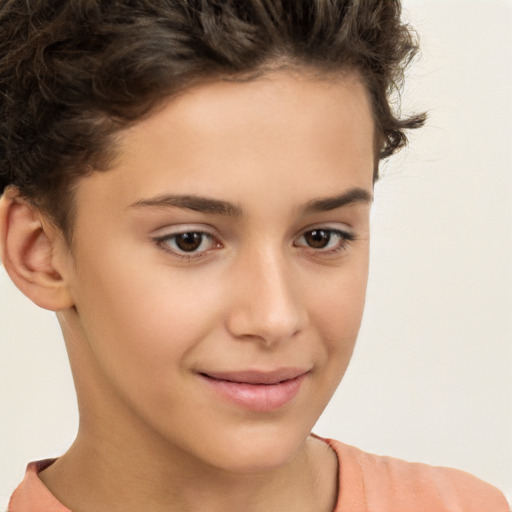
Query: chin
257	449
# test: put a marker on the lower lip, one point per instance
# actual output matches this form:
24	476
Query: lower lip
257	397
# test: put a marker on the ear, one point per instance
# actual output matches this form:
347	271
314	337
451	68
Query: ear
29	246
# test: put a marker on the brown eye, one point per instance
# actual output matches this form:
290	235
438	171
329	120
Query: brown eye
324	240
318	238
189	242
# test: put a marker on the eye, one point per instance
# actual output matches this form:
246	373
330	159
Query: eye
325	240
188	243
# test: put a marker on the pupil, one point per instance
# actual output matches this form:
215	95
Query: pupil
189	241
318	238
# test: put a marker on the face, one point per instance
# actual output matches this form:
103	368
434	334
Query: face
219	269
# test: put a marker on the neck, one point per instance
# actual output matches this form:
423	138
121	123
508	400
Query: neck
114	479
120	463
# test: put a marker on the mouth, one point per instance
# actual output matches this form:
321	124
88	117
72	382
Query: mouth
259	391
268	378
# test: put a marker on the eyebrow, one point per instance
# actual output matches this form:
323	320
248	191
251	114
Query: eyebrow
192	202
353	195
219	207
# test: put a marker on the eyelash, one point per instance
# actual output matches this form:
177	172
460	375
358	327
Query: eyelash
164	242
344	238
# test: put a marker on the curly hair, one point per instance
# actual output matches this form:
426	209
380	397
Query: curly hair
74	73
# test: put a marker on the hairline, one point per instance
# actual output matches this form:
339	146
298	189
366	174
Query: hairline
311	71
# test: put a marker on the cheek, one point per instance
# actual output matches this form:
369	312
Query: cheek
336	313
339	304
140	320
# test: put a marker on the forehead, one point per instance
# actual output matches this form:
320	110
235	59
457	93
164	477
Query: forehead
280	131
244	110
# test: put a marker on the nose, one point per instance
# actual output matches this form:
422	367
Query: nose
266	305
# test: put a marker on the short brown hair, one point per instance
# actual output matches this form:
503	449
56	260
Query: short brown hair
75	72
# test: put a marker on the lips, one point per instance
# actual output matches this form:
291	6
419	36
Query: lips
260	391
258	377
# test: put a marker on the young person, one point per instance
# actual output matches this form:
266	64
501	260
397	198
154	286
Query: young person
187	184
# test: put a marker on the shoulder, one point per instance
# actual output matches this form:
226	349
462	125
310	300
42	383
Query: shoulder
31	495
390	484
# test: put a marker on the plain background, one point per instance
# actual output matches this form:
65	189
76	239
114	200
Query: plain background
431	378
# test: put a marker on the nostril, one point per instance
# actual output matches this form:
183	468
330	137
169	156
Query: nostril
270	329
265	306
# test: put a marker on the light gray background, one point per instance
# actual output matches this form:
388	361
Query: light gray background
431	378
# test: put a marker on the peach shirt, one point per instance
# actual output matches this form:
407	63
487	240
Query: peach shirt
367	483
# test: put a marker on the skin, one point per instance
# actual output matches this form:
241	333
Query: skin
142	319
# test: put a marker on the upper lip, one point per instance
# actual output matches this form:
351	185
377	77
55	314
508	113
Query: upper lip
257	376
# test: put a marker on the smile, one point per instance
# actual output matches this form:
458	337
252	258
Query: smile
257	391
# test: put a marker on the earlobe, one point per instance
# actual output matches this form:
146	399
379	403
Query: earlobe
27	246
